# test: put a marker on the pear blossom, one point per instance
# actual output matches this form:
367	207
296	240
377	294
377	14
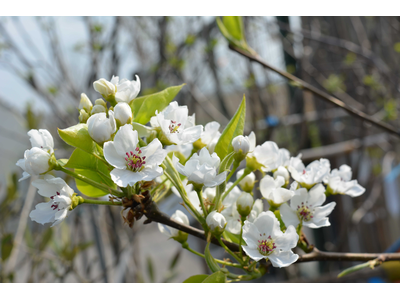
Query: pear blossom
202	169
123	113
126	90
175	126
339	182
209	137
265	239
216	222
308	176
267	155
133	164
241	143
272	190
176	234
60	194
305	207
282	171
185	149
36	159
100	127
247	183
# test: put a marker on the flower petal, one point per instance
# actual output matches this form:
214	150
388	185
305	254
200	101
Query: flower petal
288	240
289	216
283	258
113	157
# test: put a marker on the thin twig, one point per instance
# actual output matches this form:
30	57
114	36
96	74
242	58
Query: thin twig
322	94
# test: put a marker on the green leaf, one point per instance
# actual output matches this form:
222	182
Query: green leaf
78	136
145	107
196	278
82	160
175	260
88	189
232	130
6	246
234	238
212	264
217	277
234	25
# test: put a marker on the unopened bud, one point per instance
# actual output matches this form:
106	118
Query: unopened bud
104	87
244	204
123	113
83	116
85	103
241	145
216	222
100	127
247	183
100	102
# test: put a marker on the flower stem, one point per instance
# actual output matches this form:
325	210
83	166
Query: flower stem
240	238
91	182
203	207
100	202
230	252
245	173
222	262
235	166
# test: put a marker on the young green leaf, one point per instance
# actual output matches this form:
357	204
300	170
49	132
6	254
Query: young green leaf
88	189
196	278
144	108
232	130
78	136
6	246
217	277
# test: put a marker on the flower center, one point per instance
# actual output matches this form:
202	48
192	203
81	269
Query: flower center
54	206
266	246
174	127
305	212
134	161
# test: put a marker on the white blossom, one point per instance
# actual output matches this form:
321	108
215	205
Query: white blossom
100	127
244	204
56	210
265	239
176	126
241	143
133	164
85	103
202	169
272	190
282	171
339	182
308	176
126	90
209	137
305	206
36	159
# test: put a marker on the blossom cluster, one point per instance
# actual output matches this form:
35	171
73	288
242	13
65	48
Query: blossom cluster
169	147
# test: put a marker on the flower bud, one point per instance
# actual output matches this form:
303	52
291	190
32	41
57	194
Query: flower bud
216	222
83	116
241	143
123	113
101	102
282	171
101	128
104	87
244	204
36	161
85	103
247	183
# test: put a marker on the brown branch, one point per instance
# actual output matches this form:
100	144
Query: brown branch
154	214
322	94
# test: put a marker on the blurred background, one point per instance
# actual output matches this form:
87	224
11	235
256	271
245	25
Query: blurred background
47	62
